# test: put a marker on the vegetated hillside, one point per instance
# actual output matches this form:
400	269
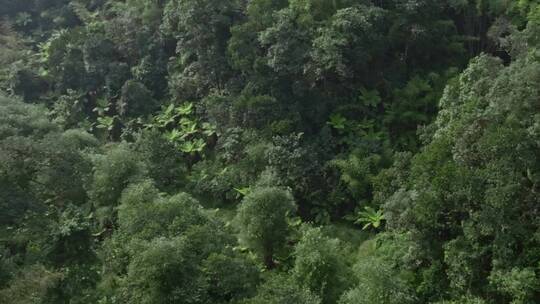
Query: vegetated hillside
270	151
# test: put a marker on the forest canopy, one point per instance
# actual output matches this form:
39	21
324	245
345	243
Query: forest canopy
270	151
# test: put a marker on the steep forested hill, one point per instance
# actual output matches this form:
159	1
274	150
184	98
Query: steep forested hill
270	151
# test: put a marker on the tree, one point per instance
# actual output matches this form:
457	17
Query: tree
280	289
167	217
320	265
478	172
377	283
348	43
360	110
135	100
166	166
30	286
165	271
287	44
201	63
262	220
43	172
112	173
41	165
167	249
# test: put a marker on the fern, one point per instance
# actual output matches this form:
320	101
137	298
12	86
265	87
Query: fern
370	218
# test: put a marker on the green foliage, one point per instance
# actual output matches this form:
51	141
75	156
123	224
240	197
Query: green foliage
278	113
287	44
337	122
358	171
164	164
415	105
244	157
20	119
377	283
167	218
68	110
347	44
370	98
30	286
381	271
520	284
44	173
112	173
106	122
14	53
182	129
38	160
320	265
230	277
464	300
135	100
168	250
201	65
293	163
262	220
242	191
370	218
26	82
280	289
457	198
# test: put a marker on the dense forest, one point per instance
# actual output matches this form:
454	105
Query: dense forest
269	151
